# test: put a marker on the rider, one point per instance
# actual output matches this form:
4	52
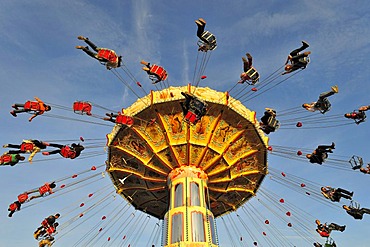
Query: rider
27	146
322	104
297	60
359	116
104	55
324	230
320	154
15	206
365	170
158	72
47	222
44	190
10	159
38	107
269	123
208	40
193	108
46	231
356	212
119	118
335	194
66	151
250	73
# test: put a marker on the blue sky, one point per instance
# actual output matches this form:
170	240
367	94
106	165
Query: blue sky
39	59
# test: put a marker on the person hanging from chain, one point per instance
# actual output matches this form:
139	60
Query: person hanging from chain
336	194
365	170
48	226
324	230
15	206
320	154
37	107
297	60
69	152
269	123
156	73
44	190
27	146
322	104
207	41
356	211
193	108
106	56
358	116
10	159
250	74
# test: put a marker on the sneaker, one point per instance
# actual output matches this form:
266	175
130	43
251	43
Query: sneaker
332	145
5	146
15	107
80	47
334	89
13	113
82	38
202	21
342	228
248	56
351	194
45	153
199	23
305	44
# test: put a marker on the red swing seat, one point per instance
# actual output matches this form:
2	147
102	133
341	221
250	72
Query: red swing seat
158	72
126	120
81	107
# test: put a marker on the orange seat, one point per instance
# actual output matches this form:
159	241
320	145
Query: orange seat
81	107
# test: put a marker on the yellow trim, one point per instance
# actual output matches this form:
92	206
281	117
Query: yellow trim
136	173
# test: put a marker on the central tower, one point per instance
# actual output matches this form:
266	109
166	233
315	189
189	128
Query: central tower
189	220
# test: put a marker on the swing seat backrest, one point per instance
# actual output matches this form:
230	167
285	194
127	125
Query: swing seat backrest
356	162
253	74
108	55
209	40
22	198
126	120
159	72
191	117
80	107
32	105
273	123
